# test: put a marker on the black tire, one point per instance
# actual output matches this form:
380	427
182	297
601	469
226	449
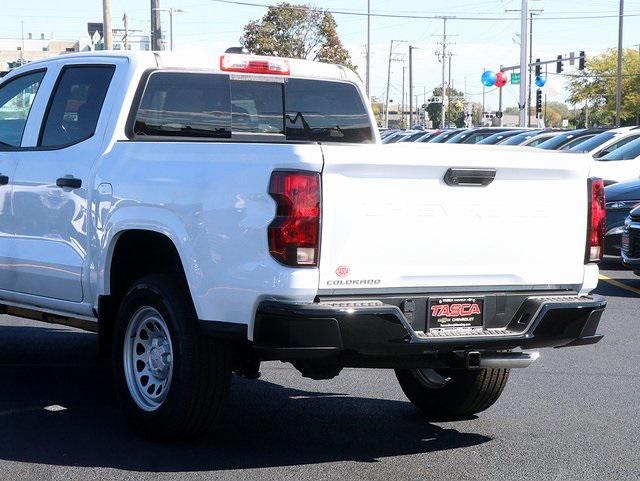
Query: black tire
200	372
467	392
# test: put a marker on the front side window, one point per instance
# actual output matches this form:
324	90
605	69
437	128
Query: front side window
75	106
626	152
16	98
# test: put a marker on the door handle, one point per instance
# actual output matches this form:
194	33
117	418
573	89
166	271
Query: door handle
4	179
470	177
70	182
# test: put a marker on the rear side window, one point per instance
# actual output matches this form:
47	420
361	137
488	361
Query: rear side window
325	111
74	109
185	105
16	98
215	106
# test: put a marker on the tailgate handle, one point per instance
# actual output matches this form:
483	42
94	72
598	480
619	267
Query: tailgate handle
472	177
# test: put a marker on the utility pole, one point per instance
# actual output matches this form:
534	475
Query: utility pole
619	67
156	28
524	66
402	101
444	57
106	24
411	86
450	54
368	77
125	39
386	110
22	39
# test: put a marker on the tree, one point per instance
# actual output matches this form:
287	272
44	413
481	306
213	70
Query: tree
556	112
297	32
455	115
595	87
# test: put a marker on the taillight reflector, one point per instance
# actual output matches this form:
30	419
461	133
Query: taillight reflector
295	232
254	64
596	221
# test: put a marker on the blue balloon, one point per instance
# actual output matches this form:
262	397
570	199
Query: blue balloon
540	81
488	78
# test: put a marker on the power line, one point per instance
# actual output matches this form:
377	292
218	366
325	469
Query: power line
426	16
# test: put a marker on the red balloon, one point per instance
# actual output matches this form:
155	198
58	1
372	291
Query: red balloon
501	79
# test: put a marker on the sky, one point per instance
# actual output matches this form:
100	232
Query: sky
208	25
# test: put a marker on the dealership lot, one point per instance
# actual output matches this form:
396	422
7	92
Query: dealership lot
573	415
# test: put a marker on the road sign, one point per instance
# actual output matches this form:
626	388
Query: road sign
515	78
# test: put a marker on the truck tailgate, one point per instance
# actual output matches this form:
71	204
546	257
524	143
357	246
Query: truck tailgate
389	219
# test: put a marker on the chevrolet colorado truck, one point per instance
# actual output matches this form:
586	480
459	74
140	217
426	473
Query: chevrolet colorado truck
205	215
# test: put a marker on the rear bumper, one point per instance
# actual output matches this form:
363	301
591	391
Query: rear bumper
378	334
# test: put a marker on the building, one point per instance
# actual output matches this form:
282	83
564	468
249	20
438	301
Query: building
35	48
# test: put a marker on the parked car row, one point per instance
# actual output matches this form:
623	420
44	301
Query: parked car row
615	151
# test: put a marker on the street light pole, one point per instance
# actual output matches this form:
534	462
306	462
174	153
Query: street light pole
106	24
524	66
411	86
619	66
368	77
171	12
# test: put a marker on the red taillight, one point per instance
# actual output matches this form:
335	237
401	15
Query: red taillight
254	64
295	232
596	221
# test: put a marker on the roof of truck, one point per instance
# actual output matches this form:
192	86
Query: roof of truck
207	60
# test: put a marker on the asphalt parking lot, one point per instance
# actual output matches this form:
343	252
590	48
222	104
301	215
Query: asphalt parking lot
573	415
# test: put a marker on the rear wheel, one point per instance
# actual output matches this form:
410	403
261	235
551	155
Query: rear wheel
452	394
171	381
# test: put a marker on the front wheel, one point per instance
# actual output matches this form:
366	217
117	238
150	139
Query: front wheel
171	381
452	394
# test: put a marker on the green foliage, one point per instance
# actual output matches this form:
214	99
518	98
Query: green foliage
456	112
596	86
297	32
555	113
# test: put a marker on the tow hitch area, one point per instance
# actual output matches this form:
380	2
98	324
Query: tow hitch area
501	360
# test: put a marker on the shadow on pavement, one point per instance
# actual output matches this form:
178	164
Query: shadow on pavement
609	263
266	425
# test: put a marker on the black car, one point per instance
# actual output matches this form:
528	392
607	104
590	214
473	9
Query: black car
570	139
499	137
445	135
473	136
630	241
620	200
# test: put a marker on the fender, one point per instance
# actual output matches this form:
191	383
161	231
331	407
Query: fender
150	218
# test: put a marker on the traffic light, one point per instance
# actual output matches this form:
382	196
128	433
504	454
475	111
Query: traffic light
538	68
582	60
538	101
559	66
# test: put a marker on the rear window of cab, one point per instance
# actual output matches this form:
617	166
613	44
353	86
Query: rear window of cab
224	106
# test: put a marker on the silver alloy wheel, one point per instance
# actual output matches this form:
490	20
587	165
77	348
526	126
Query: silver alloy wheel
148	358
431	378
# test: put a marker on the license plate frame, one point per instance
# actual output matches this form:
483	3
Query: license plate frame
447	313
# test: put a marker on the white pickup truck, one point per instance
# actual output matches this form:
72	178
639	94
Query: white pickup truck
204	215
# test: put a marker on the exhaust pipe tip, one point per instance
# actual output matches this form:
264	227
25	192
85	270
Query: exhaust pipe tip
502	360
